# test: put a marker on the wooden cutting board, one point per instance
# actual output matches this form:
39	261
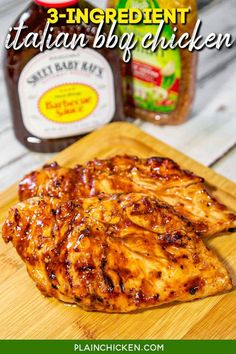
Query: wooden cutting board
26	314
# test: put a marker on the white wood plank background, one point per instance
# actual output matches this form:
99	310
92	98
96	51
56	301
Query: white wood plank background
210	134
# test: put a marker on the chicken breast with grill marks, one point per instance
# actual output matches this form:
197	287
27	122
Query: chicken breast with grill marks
116	253
159	177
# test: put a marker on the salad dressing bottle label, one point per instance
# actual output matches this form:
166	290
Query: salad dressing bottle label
152	80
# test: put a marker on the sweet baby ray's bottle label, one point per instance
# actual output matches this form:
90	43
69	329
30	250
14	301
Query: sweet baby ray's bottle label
66	93
151	80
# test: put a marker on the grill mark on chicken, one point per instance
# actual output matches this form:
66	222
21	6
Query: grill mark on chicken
159	177
16	216
123	262
107	280
67	272
87	268
194	285
121	284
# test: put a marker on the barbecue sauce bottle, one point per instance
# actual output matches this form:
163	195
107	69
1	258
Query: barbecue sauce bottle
59	95
159	86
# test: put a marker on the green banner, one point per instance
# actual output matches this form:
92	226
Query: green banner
107	346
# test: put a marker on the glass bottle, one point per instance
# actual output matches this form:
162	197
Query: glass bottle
59	95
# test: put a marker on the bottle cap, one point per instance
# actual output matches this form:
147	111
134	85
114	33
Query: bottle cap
56	3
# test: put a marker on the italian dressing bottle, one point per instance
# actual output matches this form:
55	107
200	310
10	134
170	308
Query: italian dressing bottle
159	86
58	95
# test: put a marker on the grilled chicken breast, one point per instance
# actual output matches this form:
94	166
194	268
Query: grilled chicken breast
115	253
160	177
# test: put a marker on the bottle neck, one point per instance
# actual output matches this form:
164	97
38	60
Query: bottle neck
56	3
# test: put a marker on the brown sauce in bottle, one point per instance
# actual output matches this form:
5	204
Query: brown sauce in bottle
59	95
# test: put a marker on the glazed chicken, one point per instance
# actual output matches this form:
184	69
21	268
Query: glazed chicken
160	177
115	253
